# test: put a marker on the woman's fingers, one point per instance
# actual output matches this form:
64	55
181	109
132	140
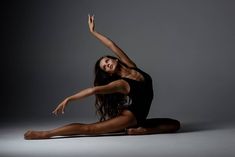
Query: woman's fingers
59	109
55	112
63	109
91	18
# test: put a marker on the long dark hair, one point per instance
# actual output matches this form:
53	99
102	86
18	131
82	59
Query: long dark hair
107	105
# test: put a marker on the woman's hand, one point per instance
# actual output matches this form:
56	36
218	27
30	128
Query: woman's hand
91	22
60	108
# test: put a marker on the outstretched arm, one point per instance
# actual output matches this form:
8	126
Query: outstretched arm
82	94
118	86
109	43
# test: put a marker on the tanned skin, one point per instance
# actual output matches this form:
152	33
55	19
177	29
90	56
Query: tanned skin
125	120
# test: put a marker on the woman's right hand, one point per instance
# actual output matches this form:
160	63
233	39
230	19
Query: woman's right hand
60	108
91	22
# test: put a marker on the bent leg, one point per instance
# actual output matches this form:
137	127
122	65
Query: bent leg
119	123
155	126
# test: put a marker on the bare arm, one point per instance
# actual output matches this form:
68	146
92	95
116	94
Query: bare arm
82	94
118	86
109	43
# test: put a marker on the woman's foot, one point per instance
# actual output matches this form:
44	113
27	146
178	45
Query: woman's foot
165	128
137	131
36	135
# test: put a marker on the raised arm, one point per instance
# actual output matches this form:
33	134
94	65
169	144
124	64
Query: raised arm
118	86
109	43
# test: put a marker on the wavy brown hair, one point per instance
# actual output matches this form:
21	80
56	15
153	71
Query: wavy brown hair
107	105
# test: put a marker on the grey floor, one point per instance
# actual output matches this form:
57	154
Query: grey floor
195	139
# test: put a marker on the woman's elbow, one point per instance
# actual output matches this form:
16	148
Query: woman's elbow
110	44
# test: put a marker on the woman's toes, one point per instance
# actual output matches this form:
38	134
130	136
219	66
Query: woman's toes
130	131
136	131
27	134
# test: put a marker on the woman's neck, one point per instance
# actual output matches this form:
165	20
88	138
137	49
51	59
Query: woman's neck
126	72
123	71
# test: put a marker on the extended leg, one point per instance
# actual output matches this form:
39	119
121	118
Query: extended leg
119	123
155	126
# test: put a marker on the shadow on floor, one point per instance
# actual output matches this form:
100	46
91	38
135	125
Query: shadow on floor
202	126
103	135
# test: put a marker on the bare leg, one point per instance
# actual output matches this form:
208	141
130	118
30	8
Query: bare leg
119	123
155	126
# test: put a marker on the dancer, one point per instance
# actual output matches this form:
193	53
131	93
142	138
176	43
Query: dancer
123	94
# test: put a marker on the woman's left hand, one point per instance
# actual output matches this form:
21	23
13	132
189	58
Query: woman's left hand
91	22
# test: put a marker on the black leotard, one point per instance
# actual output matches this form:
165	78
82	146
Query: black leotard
141	95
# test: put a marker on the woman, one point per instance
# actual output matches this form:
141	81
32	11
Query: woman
123	97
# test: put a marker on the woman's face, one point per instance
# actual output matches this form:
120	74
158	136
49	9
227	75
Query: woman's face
108	65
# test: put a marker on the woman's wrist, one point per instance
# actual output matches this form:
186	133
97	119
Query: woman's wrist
67	99
92	32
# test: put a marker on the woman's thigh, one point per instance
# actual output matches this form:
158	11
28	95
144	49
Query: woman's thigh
119	123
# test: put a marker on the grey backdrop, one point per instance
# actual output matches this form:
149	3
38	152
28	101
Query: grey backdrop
186	46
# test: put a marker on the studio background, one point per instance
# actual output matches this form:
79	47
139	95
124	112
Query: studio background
186	46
